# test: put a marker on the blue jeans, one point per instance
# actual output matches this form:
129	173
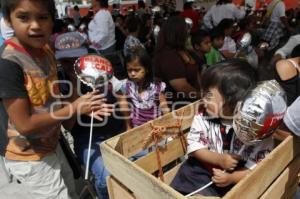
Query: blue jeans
96	164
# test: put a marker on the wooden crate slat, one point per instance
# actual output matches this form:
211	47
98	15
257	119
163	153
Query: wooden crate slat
171	152
253	185
285	183
116	190
168	176
132	141
141	183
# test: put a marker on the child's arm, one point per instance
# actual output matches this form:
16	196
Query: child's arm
28	123
125	109
223	179
163	103
226	161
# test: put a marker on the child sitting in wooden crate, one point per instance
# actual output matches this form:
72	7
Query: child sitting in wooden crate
215	153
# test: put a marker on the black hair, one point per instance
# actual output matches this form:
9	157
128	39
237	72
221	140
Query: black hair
173	34
199	36
76	8
216	33
139	53
221	2
225	24
188	5
141	4
133	23
103	3
9	5
233	78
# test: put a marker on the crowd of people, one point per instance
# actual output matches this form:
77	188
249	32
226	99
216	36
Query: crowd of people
162	62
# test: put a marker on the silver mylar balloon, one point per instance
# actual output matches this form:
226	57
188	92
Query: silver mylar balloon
189	22
93	70
245	41
156	30
71	28
156	9
260	113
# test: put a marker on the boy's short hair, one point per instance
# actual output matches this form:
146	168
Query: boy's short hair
198	37
216	33
233	78
10	5
69	45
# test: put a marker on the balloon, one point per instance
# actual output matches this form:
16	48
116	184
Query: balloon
93	70
260	113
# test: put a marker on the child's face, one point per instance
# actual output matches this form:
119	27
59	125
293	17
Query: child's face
32	24
136	72
218	42
213	103
205	45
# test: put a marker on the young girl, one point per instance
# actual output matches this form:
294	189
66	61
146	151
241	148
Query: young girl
146	96
211	134
30	110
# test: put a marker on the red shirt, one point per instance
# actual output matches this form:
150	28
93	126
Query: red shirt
193	15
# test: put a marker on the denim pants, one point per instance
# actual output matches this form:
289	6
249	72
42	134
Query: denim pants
96	164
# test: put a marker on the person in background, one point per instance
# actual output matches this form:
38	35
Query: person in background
133	27
278	24
214	55
286	50
288	75
224	9
101	29
201	43
76	16
174	65
145	94
229	48
189	12
292	117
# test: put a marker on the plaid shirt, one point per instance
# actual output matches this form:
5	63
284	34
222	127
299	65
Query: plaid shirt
273	34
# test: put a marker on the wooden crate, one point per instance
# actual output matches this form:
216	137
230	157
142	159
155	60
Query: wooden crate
275	177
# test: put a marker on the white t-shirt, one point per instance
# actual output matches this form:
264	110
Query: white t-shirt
206	134
102	30
218	12
292	117
286	50
278	12
229	44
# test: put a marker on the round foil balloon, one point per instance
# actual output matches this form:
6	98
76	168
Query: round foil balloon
93	70
260	113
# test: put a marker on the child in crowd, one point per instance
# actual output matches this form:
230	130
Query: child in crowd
214	55
229	48
146	95
133	26
211	136
30	109
201	44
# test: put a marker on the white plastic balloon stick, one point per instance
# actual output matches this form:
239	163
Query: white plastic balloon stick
89	150
211	182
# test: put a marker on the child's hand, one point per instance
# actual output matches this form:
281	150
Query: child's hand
221	178
88	103
229	161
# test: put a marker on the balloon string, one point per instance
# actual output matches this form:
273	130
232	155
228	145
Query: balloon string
89	150
211	182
